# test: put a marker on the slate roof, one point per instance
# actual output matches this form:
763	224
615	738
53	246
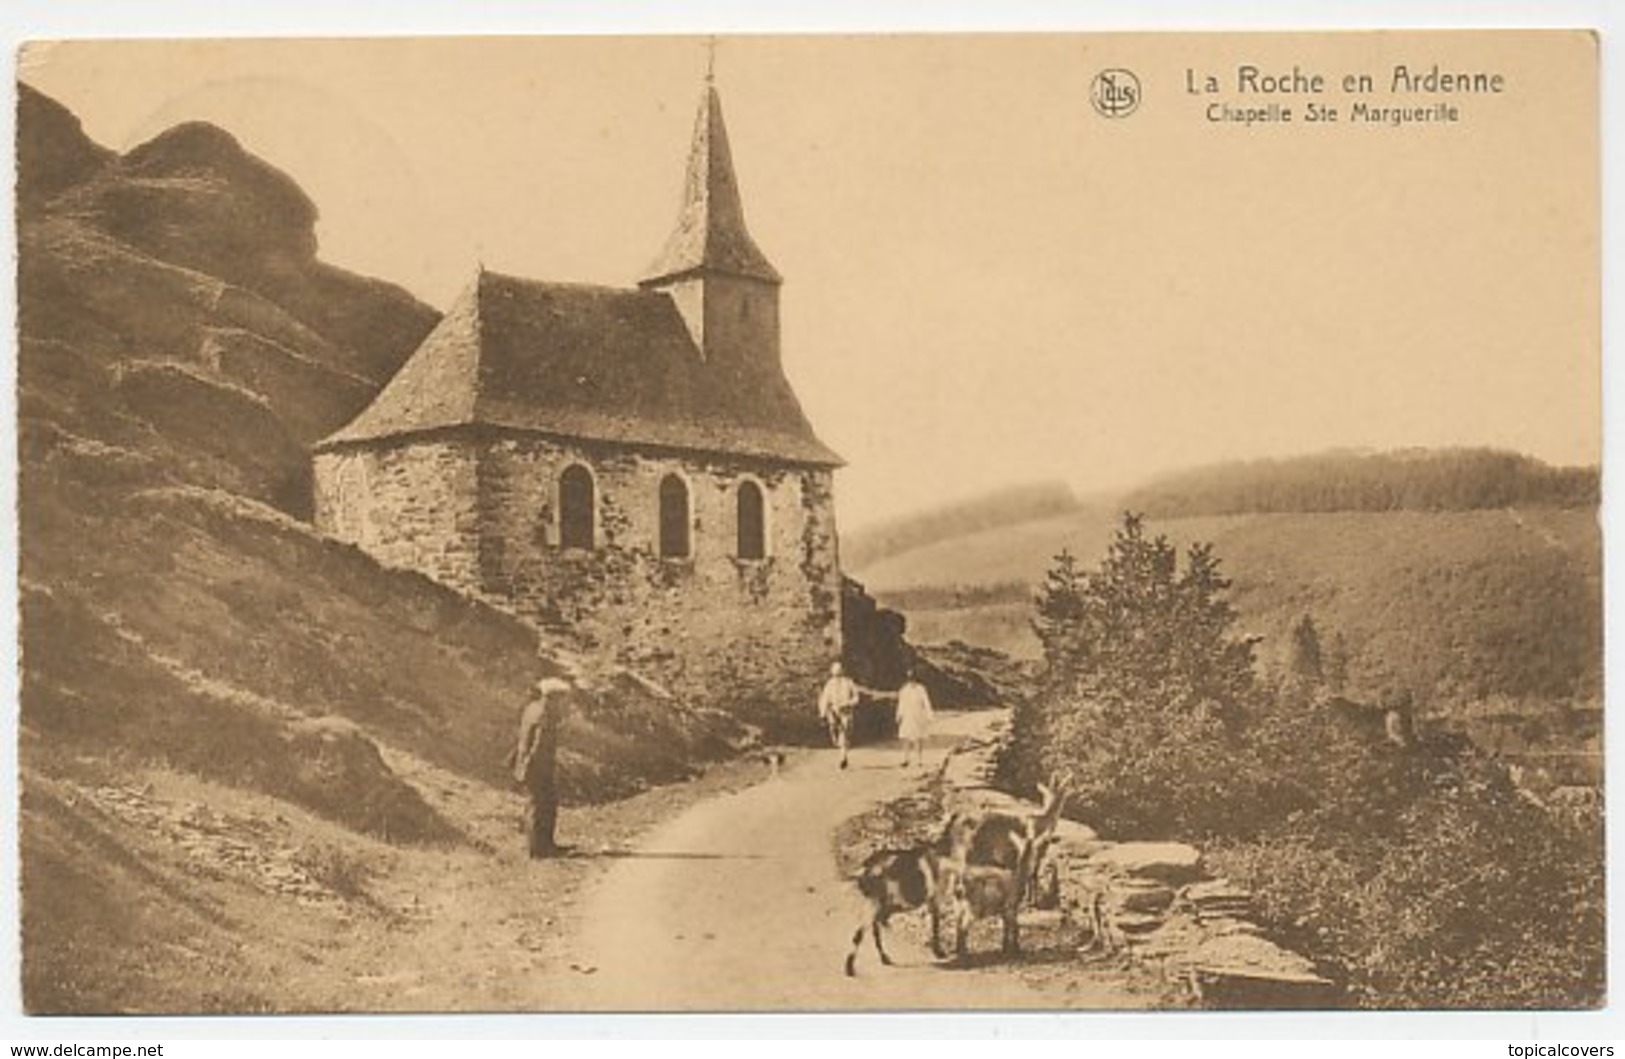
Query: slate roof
710	235
589	363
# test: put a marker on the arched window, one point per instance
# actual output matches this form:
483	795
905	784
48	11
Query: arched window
576	507
752	522
673	517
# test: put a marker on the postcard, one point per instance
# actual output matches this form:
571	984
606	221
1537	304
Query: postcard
810	523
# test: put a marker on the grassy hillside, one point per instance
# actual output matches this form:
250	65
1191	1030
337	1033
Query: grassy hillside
1011	555
233	730
1462	606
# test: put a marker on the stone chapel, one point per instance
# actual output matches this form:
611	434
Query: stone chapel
625	466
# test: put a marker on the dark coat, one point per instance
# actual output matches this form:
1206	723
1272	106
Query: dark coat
536	745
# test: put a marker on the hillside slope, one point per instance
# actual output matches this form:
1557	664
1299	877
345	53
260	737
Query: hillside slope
1019	504
1460	606
189	646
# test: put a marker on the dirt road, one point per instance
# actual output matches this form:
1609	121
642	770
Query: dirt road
737	904
719	894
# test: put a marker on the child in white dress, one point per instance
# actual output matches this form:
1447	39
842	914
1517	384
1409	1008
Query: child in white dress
913	718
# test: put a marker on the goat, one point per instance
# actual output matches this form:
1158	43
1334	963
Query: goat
978	891
901	880
1000	838
978	866
1006	840
999	865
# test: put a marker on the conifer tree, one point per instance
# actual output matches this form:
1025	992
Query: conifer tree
1141	632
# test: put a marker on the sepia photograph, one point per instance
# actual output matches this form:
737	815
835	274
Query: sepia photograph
1085	522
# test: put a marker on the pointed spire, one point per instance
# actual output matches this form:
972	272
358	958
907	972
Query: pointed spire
711	234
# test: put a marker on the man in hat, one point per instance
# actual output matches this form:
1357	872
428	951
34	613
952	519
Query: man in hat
534	760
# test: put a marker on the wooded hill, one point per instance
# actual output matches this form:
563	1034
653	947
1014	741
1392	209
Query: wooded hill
1465	605
1462	479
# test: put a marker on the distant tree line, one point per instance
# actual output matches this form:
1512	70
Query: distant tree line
1402	480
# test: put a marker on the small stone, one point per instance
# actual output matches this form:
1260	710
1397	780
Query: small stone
1155	897
1136	923
1218	926
1244	955
1071	832
1168	861
1216	891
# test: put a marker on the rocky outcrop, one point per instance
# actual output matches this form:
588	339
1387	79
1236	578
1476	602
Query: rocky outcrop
194	198
187	269
1152	901
988	675
53	152
878	655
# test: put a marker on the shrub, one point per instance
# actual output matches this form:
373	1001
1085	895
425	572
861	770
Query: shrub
1414	868
1475	900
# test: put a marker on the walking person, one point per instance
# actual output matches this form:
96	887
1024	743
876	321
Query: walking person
914	716
837	704
534	760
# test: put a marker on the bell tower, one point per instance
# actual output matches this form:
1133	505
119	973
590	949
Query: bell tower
723	285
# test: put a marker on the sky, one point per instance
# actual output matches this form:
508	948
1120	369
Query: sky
987	282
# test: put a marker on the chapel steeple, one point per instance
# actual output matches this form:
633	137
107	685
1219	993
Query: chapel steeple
724	286
710	234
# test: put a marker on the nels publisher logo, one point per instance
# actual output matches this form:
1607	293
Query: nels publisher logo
1115	93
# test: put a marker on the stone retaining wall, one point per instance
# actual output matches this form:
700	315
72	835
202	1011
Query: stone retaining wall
1154	901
